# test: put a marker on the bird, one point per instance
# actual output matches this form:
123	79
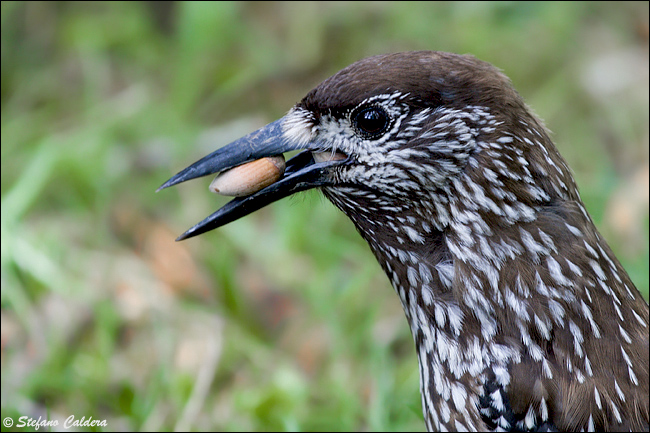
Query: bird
522	317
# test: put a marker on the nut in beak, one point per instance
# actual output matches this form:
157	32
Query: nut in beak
249	178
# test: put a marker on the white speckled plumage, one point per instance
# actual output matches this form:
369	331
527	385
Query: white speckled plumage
505	273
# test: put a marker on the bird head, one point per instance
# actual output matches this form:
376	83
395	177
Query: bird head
392	135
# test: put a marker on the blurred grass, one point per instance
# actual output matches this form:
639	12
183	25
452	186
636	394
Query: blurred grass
283	320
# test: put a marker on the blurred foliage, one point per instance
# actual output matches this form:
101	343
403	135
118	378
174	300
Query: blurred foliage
283	320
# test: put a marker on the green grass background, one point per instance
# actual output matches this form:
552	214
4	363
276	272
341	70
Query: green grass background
283	320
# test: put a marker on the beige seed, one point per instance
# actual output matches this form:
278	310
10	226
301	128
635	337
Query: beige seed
249	178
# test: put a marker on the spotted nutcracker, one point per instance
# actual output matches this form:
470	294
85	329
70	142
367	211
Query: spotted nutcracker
523	318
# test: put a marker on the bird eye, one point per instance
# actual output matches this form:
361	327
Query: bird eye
371	121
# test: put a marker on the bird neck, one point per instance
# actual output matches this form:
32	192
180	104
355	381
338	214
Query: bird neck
446	290
451	350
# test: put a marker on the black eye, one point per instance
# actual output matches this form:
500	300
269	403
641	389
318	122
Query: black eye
371	121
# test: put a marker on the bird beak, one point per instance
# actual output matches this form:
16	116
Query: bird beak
301	173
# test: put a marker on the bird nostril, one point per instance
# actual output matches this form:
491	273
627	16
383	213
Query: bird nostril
329	156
